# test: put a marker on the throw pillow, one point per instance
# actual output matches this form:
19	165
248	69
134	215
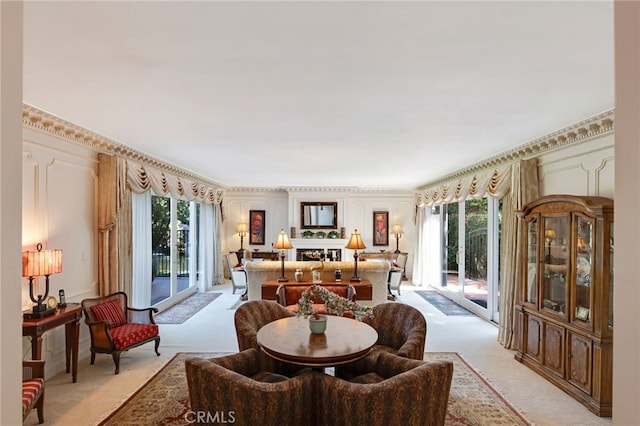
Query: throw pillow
110	311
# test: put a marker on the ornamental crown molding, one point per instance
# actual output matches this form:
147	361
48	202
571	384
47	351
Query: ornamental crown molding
45	122
314	189
594	127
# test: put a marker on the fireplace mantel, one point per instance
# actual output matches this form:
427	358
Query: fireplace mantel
317	244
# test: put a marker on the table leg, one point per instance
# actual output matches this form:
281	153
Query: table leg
72	336
67	345
36	345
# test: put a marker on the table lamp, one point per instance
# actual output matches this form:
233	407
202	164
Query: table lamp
282	243
355	243
242	230
37	263
397	229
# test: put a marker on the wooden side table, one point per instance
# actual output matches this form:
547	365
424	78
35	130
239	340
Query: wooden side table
68	316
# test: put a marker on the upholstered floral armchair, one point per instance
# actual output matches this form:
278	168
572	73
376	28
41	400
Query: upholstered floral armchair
115	327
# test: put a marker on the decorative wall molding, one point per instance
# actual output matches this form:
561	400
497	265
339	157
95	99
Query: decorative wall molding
597	126
44	122
314	189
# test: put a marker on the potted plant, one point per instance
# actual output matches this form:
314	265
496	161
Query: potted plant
333	303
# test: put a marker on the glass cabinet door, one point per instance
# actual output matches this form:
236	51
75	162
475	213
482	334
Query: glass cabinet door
554	283
611	276
582	264
531	295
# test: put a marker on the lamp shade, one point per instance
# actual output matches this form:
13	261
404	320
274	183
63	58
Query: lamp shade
397	229
282	242
549	233
41	262
242	228
355	241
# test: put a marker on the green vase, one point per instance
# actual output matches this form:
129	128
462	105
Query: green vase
318	326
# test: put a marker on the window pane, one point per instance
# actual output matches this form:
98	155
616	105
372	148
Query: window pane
182	244
160	246
475	270
450	242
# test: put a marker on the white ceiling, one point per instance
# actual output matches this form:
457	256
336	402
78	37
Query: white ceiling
348	94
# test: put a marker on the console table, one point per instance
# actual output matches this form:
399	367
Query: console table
68	316
364	288
266	255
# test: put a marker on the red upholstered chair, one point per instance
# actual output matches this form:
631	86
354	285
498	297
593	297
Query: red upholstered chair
33	388
115	327
288	295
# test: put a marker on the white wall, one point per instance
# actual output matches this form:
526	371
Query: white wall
583	169
59	181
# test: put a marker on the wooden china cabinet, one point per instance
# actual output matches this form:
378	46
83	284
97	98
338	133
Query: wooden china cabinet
564	309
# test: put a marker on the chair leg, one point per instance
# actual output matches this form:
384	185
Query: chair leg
116	360
157	345
40	408
93	357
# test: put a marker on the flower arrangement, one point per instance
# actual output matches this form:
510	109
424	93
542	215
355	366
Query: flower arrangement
334	304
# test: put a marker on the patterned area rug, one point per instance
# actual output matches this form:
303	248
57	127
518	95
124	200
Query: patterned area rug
442	303
180	312
164	399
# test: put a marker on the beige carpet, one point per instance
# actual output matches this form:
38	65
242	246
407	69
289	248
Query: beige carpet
164	400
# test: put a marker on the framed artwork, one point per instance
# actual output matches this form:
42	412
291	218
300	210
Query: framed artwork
256	228
380	228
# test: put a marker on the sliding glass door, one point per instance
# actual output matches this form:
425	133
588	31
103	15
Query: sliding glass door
171	248
470	241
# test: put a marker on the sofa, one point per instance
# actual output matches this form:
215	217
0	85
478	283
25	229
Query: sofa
376	272
399	392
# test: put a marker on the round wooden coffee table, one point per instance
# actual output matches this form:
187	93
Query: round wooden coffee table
290	340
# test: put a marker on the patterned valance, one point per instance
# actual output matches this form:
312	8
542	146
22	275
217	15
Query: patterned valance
141	178
492	183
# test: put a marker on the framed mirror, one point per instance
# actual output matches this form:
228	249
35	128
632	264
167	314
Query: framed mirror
318	215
